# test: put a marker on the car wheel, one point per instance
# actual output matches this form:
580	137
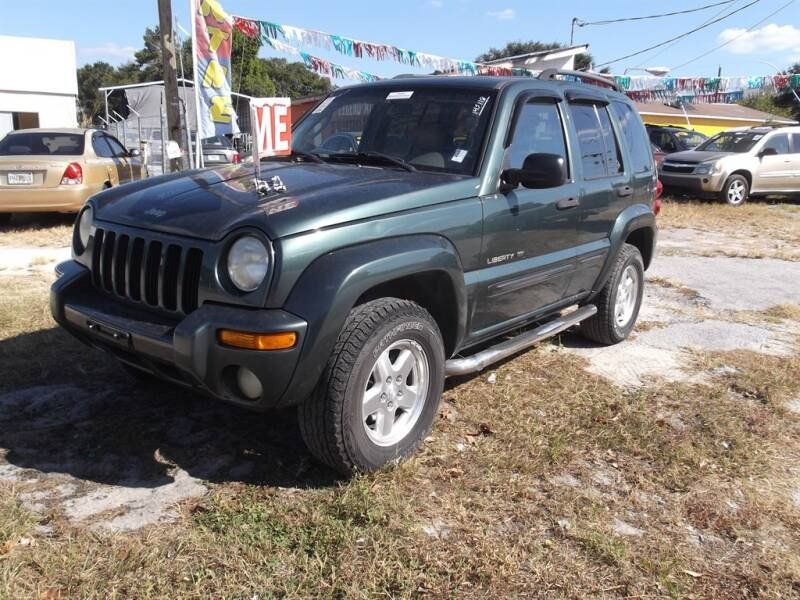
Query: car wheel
380	391
619	301
735	190
5	218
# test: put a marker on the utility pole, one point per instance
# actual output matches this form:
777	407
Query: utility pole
170	74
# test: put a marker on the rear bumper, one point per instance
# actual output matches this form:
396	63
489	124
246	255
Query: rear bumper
63	198
185	352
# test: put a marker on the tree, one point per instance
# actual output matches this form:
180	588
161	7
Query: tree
783	103
294	80
583	61
148	61
249	72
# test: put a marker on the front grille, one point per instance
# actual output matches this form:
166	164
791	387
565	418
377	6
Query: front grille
677	168
163	275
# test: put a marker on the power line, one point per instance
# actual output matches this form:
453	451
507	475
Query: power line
733	39
580	23
683	35
650	58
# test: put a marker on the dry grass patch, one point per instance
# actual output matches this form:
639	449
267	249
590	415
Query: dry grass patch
39	230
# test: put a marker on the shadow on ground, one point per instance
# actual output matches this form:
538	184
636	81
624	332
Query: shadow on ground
69	409
28	221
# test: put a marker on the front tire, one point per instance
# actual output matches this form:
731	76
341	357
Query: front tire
380	391
735	191
619	301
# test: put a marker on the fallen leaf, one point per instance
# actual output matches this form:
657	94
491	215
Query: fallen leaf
692	573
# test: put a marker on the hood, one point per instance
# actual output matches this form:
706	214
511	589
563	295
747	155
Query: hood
695	156
208	204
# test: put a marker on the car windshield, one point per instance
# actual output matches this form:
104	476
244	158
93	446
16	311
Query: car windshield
417	128
691	138
217	140
731	141
42	144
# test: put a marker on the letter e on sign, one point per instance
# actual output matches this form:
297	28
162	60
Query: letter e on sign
271	120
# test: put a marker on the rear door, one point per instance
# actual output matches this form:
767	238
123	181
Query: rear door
606	185
529	234
775	171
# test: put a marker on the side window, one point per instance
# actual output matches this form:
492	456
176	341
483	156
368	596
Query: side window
635	137
780	143
538	129
101	147
116	147
600	155
667	143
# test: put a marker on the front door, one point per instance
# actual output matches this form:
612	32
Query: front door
529	234
776	170
120	158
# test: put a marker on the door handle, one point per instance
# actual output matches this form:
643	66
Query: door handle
566	203
624	191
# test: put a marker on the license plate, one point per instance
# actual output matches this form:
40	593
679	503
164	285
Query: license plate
212	158
20	178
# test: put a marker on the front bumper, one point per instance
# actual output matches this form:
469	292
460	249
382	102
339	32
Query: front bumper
709	184
185	352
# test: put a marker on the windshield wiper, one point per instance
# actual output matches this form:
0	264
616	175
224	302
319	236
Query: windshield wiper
312	156
380	156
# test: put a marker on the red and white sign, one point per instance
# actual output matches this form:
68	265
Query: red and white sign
271	120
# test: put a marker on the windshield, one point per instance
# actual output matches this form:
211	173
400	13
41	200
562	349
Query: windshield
42	144
431	129
731	141
690	138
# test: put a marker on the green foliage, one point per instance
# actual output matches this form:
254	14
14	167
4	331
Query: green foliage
294	80
249	72
768	103
582	61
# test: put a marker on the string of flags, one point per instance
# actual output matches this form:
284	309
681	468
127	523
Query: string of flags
289	39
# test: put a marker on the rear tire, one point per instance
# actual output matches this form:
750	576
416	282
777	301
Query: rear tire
379	394
619	301
735	191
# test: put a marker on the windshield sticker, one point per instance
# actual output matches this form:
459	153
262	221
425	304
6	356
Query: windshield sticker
323	105
480	104
399	95
459	155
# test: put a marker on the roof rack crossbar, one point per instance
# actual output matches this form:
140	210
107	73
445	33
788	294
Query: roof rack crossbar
552	73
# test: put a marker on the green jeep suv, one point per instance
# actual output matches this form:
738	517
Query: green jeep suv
421	228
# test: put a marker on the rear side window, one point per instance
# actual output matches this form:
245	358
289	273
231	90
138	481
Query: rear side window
600	155
538	129
635	137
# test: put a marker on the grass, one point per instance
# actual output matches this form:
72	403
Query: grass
515	493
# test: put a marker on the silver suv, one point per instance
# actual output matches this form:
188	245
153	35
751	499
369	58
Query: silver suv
737	164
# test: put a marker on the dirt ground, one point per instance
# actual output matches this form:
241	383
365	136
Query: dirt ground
665	466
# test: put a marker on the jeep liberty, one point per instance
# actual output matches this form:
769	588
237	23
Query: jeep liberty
421	228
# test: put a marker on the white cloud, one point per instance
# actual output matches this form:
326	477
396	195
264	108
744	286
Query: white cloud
109	52
502	15
767	39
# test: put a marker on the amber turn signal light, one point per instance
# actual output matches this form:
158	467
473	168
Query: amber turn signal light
257	341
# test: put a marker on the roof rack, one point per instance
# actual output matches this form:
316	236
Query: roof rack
552	73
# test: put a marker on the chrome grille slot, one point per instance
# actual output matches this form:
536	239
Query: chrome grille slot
163	275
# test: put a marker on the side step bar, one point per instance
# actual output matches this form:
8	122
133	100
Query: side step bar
481	360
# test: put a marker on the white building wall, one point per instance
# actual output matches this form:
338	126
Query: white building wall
41	79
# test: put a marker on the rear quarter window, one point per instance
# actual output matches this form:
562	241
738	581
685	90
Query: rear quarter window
634	137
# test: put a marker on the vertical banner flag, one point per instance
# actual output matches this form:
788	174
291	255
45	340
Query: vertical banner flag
213	29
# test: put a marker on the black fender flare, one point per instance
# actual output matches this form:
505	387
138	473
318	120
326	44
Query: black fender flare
635	217
332	284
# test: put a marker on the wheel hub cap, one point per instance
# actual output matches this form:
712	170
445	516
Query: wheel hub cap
736	192
395	393
627	295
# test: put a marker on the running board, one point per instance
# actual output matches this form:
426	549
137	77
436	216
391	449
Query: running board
481	360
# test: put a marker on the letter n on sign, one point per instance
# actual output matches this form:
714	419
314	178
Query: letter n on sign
271	120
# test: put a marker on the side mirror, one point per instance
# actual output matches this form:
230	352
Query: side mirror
767	152
539	171
134	153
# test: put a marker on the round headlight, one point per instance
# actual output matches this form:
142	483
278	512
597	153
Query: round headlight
248	263
84	229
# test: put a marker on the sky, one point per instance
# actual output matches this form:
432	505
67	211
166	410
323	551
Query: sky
461	29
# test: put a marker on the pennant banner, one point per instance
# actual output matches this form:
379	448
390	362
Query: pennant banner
691	90
214	41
